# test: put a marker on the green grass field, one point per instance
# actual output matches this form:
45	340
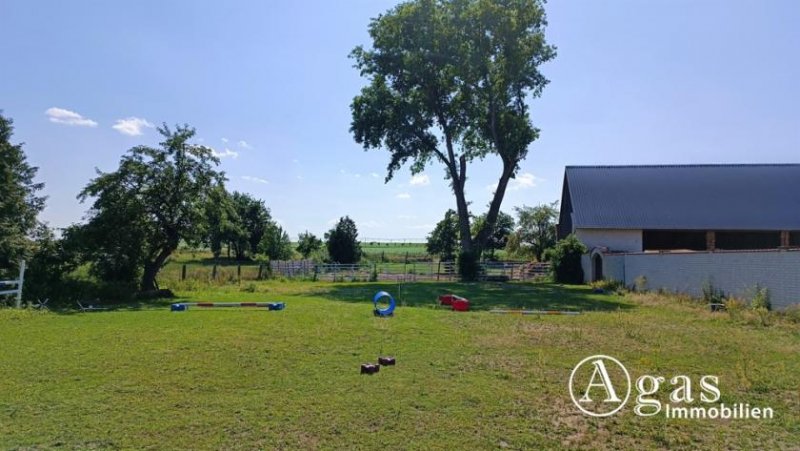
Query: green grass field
235	379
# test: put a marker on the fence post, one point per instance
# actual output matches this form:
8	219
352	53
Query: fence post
260	270
21	280
239	273
183	272
335	266
438	270
214	272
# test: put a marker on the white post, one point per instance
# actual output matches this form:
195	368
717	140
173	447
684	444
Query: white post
19	286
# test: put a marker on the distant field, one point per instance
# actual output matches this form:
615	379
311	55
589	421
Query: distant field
394	248
147	378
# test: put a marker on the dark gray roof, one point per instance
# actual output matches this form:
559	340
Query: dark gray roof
690	197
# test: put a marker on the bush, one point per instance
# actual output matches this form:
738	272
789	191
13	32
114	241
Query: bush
712	295
608	285
760	298
565	260
791	313
640	284
734	307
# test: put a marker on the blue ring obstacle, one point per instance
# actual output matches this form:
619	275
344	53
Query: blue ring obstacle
388	311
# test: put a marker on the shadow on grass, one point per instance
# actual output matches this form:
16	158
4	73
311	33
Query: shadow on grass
483	296
67	308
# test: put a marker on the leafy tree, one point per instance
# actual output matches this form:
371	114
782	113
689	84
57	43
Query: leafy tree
154	200
253	219
49	267
222	220
537	229
443	240
565	259
499	236
450	81
275	243
19	204
342	242
308	243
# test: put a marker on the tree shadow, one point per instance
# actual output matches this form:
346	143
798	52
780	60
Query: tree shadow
483	296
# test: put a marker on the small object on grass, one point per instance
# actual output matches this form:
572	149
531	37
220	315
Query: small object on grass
90	308
716	307
369	368
388	311
447	299
461	305
386	361
598	291
183	306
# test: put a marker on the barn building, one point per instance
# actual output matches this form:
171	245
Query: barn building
685	226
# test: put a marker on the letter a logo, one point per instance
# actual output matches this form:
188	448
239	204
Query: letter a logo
604	371
605	382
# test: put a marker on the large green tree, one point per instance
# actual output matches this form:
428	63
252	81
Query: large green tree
253	221
155	199
536	230
342	242
19	204
503	227
276	243
222	220
450	81
308	243
443	240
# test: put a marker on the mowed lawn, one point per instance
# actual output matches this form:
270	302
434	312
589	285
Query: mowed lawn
251	379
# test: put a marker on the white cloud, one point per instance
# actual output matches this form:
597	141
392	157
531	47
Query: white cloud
245	145
250	178
403	196
67	117
420	180
332	221
522	181
295	161
375	175
131	126
225	153
225	140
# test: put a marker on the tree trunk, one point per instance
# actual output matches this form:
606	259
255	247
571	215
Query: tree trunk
494	207
152	268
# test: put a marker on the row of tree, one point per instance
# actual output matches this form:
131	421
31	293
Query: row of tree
530	236
157	199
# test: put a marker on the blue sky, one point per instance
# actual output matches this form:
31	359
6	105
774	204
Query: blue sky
635	82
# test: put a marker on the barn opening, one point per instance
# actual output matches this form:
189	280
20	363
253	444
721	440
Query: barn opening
748	240
597	267
664	240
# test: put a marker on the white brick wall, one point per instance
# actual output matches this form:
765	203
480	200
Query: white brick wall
733	272
614	239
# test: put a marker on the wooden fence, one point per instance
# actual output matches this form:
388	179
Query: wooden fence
17	292
335	272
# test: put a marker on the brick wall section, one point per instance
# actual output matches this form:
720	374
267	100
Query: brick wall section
733	272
